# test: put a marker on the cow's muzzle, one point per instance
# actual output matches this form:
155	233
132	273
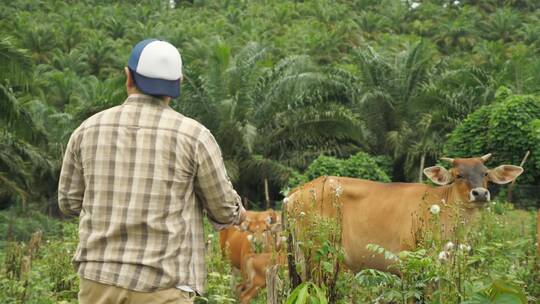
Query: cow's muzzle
479	195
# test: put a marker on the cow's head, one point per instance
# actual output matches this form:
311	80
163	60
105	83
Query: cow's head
470	177
260	224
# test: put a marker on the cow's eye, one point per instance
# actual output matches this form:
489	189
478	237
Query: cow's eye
486	174
460	176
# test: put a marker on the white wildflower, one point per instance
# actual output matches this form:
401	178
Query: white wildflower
285	200
339	191
313	194
392	257
210	236
435	209
302	214
449	246
443	256
464	247
250	237
445	5
283	239
456	2
415	5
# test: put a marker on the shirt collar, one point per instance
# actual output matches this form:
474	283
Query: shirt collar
143	98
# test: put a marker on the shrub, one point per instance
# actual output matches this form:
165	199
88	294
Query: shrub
360	165
20	227
57	265
363	165
535	136
503	128
325	165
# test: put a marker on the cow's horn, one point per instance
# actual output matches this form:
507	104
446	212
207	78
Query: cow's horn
448	159
485	157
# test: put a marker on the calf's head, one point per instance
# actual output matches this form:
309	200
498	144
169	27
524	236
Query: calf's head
259	224
470	177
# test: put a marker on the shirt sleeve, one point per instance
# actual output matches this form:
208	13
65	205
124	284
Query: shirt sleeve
212	185
71	185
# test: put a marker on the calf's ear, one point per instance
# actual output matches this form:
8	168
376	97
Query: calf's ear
504	174
276	228
438	175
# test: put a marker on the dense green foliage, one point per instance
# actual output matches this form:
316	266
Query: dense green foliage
278	83
360	165
504	128
499	263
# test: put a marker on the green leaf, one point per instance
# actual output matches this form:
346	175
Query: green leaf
302	295
508	299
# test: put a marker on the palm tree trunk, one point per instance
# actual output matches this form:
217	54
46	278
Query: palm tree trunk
266	194
421	171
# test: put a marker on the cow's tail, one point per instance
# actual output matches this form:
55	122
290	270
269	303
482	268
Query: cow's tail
294	277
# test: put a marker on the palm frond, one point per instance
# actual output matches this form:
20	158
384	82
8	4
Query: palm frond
15	63
18	119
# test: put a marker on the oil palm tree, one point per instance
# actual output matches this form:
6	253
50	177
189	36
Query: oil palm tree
40	41
502	24
391	86
22	160
223	98
100	54
305	110
459	32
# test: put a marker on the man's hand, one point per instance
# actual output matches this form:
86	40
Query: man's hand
243	215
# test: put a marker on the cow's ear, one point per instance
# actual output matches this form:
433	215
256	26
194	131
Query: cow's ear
438	175
504	174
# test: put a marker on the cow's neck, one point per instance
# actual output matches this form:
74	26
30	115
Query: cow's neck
452	211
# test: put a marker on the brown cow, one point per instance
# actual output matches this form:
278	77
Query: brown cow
255	266
255	270
391	214
236	241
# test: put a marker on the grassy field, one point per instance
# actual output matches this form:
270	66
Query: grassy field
502	256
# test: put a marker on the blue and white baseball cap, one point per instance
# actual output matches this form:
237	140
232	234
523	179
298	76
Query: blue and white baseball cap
156	67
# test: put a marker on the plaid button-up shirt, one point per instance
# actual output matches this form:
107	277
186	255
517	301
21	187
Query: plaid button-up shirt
139	176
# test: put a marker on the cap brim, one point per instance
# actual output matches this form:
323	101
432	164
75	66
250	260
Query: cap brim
159	87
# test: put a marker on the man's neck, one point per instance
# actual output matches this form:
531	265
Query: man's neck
165	99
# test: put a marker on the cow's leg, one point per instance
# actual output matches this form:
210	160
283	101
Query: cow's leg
241	287
257	282
234	274
249	294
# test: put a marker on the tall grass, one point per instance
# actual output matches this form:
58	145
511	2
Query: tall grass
496	258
